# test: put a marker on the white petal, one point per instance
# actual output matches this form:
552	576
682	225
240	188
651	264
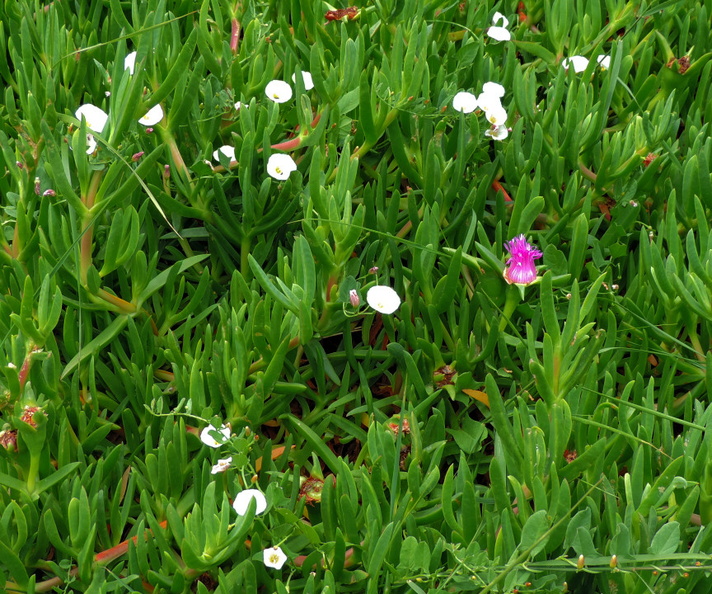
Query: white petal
243	498
604	61
221	466
383	299
278	91
499	33
130	62
153	116
238	105
493	88
464	102
579	63
307	78
279	166
207	438
497	132
274	557
498	18
227	150
489	102
496	117
91	144
96	117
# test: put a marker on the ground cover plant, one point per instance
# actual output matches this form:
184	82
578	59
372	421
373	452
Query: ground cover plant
410	296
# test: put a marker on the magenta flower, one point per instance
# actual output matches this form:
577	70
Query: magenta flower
520	268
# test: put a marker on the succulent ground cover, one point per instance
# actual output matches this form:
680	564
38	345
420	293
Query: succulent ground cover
410	296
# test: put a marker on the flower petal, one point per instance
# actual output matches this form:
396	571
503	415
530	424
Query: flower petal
307	78
153	116
96	117
279	166
274	557
498	18
206	436
383	299
464	102
604	61
499	34
130	62
278	91
497	132
243	498
227	150
578	63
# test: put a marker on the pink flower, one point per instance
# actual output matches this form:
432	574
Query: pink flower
520	268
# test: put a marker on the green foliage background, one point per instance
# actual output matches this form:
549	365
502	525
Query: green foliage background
484	438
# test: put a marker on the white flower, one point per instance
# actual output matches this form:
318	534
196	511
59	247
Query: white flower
279	166
307	78
464	102
91	144
499	17
222	465
383	299
227	150
493	89
130	62
278	91
96	118
153	116
604	61
497	32
274	557
207	438
579	63
497	132
243	498
239	105
496	116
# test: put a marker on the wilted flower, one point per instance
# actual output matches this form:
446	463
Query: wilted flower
50	192
520	268
130	62
278	91
383	299
8	439
96	117
206	436
307	78
221	466
499	32
137	156
579	63
243	498
274	557
279	166
464	102
153	116
497	132
227	150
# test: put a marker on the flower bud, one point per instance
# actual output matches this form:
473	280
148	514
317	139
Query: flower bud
354	298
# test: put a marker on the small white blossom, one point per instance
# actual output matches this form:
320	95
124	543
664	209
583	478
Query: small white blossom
96	117
243	498
207	438
307	78
578	63
496	116
383	299
221	466
274	557
604	61
130	62
153	116
499	32
493	89
279	166
497	132
239	105
278	91
227	150
464	102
